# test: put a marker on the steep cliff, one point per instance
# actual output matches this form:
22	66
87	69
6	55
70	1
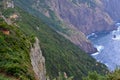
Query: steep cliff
38	61
72	18
60	54
83	16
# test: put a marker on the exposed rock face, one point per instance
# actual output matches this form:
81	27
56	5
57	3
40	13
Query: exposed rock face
83	19
38	61
113	8
79	38
80	15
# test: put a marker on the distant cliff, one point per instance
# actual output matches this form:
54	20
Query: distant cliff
112	7
72	18
38	61
81	16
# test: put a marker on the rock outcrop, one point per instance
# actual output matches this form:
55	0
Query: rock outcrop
38	61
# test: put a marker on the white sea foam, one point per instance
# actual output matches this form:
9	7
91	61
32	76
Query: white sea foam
99	48
116	33
92	34
118	29
117	24
95	54
106	64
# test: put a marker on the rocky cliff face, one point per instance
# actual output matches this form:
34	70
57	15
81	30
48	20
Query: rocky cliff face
113	8
81	19
38	61
81	15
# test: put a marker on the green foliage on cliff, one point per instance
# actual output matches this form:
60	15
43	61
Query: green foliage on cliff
94	76
4	78
63	76
110	76
90	3
14	53
61	55
52	21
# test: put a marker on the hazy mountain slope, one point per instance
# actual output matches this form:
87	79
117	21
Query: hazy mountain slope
56	23
81	15
60	54
71	18
113	8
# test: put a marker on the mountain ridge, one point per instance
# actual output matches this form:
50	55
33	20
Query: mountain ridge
74	20
60	54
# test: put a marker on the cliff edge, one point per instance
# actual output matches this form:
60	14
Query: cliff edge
38	61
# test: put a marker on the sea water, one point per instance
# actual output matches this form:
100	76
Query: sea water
108	46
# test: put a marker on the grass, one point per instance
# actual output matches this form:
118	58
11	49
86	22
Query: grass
4	78
14	53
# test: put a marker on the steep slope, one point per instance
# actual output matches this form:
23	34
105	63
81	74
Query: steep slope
14	54
50	17
60	54
72	18
82	15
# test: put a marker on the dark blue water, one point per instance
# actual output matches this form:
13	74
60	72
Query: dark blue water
108	45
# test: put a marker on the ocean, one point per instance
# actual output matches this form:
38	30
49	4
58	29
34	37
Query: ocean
108	46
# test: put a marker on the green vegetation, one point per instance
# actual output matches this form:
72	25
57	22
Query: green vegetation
52	21
8	12
110	76
94	76
4	78
14	53
1	4
63	76
90	3
60	54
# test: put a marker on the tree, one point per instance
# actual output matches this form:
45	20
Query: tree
94	76
63	77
